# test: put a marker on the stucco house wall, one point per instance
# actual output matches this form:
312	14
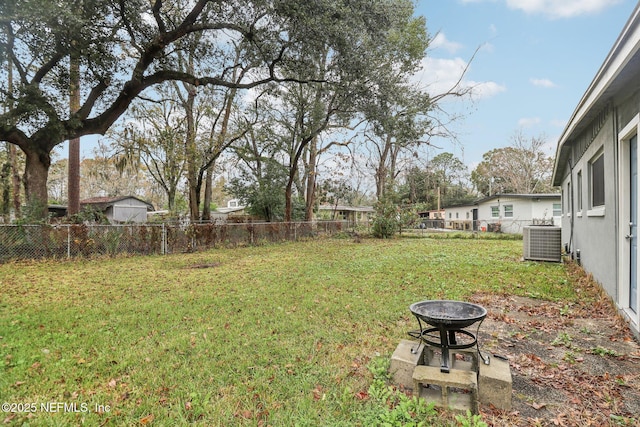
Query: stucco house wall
593	165
587	230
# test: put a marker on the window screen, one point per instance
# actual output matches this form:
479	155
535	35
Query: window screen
597	182
508	211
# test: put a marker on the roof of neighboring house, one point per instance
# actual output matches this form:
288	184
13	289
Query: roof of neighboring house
618	76
105	202
230	210
346	208
521	196
532	196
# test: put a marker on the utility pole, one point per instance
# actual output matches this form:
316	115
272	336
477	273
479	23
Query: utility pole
73	185
13	153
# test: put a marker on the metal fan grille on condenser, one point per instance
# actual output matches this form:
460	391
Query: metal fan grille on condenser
542	243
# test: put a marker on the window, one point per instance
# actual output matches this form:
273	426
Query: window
508	211
579	189
596	169
457	215
449	215
467	215
557	209
495	212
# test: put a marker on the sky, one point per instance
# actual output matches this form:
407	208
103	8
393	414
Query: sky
534	61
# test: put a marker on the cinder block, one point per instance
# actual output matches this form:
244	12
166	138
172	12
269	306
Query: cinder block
495	383
405	358
456	390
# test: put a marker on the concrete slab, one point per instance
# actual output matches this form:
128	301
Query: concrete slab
407	355
495	383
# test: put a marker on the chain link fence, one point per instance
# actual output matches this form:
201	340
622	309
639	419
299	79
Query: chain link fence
83	240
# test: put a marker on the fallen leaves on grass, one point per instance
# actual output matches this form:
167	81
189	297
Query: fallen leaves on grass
318	393
147	420
362	395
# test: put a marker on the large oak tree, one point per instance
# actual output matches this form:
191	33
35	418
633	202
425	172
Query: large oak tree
125	48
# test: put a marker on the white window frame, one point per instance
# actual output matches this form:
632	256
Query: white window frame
508	213
579	192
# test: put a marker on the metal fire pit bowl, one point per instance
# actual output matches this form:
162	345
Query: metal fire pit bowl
448	318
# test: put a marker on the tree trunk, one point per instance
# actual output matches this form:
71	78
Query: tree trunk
191	151
171	199
208	190
311	180
6	189
288	208
36	173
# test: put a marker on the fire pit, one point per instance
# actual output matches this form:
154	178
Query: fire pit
448	318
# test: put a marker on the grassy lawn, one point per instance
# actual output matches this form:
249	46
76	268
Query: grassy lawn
276	335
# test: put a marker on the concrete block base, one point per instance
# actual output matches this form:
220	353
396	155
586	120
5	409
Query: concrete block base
495	383
469	382
404	360
456	390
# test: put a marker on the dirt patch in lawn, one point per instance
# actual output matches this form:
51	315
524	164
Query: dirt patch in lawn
571	364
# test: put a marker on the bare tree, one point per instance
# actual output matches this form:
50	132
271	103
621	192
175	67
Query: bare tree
522	168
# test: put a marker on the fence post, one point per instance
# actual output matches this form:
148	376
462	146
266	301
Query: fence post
68	241
163	241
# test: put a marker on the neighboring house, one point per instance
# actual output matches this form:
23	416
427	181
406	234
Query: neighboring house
432	218
596	165
234	210
507	213
432	214
345	213
119	209
510	213
459	217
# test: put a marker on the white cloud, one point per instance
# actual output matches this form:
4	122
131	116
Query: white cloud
528	122
440	41
542	83
440	75
487	47
483	90
561	8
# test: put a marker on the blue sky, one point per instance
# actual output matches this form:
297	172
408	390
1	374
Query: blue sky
535	60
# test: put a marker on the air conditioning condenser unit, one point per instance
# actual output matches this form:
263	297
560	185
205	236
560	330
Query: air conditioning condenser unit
542	243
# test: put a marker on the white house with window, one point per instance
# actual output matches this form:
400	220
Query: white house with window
510	213
596	165
459	217
506	213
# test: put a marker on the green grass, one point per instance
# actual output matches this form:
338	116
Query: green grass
276	335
